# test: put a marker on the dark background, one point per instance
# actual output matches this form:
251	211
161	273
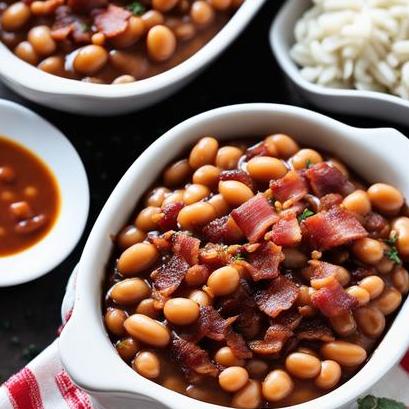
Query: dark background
247	72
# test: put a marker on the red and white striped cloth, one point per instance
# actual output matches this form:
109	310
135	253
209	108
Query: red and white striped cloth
43	383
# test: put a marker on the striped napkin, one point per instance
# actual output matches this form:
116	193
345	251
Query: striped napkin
44	384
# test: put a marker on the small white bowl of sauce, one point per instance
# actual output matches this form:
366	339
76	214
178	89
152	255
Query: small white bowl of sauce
44	196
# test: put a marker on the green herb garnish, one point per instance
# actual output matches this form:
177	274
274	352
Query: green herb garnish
308	163
392	241
305	215
372	402
136	8
239	256
393	253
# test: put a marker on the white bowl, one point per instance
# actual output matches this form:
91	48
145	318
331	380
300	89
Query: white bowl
85	348
97	99
355	102
48	143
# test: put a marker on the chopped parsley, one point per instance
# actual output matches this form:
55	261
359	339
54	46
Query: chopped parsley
305	215
308	163
372	402
239	256
393	253
136	8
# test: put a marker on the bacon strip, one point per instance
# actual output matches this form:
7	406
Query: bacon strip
237	175
290	188
286	232
168	277
67	24
170	214
326	179
279	296
187	247
254	217
210	324
257	150
192	359
275	338
263	263
242	303
112	21
222	230
214	255
332	228
332	300
317	270
238	345
330	200
314	330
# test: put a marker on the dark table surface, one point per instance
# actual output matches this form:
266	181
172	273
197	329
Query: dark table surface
247	72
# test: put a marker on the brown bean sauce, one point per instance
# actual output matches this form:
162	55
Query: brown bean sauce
128	62
207	388
29	198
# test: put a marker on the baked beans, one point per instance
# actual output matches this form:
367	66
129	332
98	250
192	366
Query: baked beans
208	298
115	42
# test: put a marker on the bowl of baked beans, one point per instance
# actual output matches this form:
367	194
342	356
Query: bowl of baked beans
249	258
65	53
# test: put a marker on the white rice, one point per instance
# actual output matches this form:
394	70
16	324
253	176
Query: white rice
361	44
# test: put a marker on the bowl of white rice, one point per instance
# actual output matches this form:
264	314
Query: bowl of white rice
347	56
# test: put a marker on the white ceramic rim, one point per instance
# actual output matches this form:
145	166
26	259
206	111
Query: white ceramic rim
17	71
278	32
53	148
86	320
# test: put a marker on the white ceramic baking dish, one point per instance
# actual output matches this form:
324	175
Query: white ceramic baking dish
96	99
347	101
86	351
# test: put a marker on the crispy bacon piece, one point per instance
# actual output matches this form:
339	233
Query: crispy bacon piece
263	263
187	247
326	179
314	330
290	319
170	214
192	359
214	255
210	324
332	300
254	217
275	338
68	24
112	21
377	225
242	303
332	228
290	188
168	277
286	232
85	6
163	241
237	175
279	296
330	200
222	230
238	345
318	270
257	150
